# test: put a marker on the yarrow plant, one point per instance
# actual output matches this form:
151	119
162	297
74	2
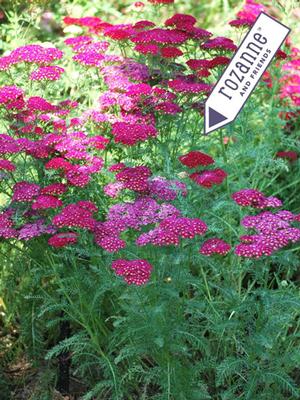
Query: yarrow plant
157	248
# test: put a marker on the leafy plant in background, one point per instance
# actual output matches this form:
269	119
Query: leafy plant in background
153	261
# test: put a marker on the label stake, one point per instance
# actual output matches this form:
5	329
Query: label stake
244	71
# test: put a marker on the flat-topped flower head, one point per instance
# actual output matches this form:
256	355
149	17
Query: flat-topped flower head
186	87
89	59
214	246
34	53
7	230
135	178
50	73
180	21
288	155
208	178
63	239
54	189
37	103
129	133
161	36
25	191
45	201
170	52
217	61
254	198
35	229
219	43
10	93
135	272
195	158
241	22
7	165
74	215
163	189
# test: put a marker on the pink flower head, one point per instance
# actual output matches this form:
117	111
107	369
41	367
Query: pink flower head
139	4
89	59
134	178
145	49
195	158
208	178
167	107
214	246
98	142
111	244
25	191
35	229
6	62
54	189
88	205
74	215
37	54
51	73
184	227
219	43
129	134
6	225
254	198
113	189
39	104
76	177
7	165
58	163
171	229
166	190
197	34
241	22
63	239
9	94
78	40
186	87
135	272
161	36
45	201
117	167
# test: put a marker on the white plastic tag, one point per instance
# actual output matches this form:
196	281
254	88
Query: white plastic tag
244	71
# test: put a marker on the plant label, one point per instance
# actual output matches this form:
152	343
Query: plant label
244	71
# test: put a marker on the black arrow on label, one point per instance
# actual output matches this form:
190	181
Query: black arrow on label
214	117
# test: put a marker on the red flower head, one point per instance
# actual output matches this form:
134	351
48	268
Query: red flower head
180	21
195	158
170	52
208	178
289	155
63	239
